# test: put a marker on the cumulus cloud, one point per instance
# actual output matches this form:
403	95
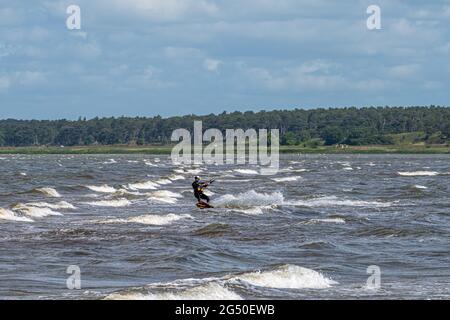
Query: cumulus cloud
310	75
266	52
404	71
4	83
212	65
25	78
164	10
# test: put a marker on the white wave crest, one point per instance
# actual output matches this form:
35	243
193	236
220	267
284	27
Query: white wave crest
418	173
103	188
164	196
36	212
330	220
249	199
194	171
49	192
254	210
151	219
286	179
164	181
111	203
175	177
291	169
246	171
335	201
283	277
56	206
163	200
11	216
287	277
125	192
149	185
207	291
110	161
419	187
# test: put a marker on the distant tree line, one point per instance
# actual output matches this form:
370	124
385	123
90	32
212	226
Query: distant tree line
352	126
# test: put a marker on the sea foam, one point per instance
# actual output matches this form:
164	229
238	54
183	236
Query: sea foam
157	220
335	201
49	192
418	173
102	189
111	203
287	277
11	216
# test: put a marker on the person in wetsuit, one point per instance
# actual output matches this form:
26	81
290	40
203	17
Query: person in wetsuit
198	187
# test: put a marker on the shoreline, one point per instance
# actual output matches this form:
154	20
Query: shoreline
166	150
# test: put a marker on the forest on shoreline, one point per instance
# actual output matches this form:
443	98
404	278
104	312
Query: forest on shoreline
307	128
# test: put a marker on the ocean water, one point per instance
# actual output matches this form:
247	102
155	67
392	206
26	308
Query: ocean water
130	224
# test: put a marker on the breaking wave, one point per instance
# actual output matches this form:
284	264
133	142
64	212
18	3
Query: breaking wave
110	161
56	206
148	185
249	199
287	277
36	212
246	171
207	291
335	201
163	181
164	196
49	192
151	219
11	216
283	277
111	203
103	188
329	220
418	173
286	179
175	177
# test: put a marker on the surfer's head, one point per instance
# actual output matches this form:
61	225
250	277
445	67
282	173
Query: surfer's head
196	178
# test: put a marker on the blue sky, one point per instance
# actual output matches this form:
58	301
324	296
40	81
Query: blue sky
176	57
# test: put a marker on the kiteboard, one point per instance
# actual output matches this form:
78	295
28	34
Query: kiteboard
203	205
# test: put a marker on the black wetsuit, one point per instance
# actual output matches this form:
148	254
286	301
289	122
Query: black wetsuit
198	187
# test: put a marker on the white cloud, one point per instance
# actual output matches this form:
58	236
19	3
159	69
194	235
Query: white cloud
212	65
166	10
403	71
446	11
28	78
78	34
311	75
119	70
150	77
81	50
25	78
6	50
10	17
182	52
4	83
